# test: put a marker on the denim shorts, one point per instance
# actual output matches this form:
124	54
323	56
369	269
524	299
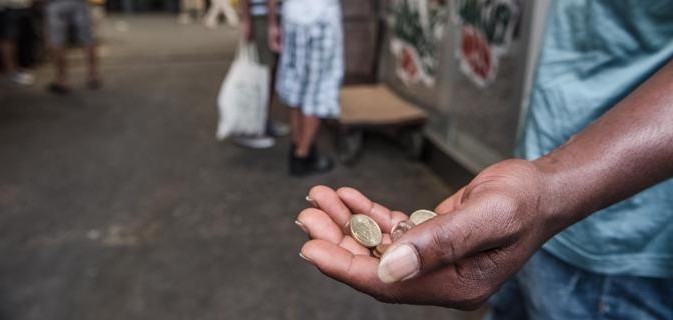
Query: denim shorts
61	14
548	288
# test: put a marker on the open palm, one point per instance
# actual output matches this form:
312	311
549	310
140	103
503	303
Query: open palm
484	233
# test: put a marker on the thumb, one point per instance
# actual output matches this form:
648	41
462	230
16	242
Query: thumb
441	242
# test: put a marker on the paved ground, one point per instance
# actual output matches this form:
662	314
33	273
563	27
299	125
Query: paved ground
119	204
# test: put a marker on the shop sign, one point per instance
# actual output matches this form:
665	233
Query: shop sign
485	32
417	29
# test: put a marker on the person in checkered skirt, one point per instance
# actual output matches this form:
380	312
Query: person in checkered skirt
311	69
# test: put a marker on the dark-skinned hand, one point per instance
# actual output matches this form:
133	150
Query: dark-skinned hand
483	234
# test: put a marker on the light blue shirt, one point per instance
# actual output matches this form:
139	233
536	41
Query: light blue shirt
596	52
260	7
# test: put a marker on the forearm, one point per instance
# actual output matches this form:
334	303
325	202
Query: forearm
245	10
273	12
627	150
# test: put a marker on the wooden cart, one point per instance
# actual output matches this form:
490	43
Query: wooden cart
377	108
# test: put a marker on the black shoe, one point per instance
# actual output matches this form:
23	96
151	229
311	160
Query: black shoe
58	89
314	163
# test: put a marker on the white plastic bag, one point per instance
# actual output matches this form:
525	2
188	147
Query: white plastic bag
243	98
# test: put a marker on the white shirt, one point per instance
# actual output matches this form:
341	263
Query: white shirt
310	11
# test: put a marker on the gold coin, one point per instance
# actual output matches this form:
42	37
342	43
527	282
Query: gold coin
365	230
380	250
421	216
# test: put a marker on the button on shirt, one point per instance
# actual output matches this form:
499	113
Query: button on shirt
595	53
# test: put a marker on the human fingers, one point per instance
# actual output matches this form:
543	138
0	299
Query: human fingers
329	202
451	203
448	238
353	246
318	225
360	272
358	203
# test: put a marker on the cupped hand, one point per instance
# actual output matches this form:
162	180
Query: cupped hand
483	234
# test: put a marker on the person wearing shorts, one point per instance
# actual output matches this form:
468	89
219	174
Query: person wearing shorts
61	14
12	12
310	74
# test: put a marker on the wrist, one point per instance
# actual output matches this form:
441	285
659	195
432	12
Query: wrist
561	199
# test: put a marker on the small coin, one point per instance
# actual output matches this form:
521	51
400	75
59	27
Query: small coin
380	250
365	230
421	216
400	229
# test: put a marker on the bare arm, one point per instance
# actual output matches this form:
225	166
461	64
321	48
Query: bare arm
275	31
625	151
245	10
273	12
246	19
489	229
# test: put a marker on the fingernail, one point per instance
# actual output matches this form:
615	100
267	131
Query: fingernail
304	257
399	264
311	201
301	226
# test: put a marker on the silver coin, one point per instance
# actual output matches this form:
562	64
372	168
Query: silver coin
400	229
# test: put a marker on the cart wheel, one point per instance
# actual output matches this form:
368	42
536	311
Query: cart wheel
350	146
413	142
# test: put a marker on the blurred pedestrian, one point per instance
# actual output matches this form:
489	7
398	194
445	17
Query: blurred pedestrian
218	7
255	26
60	15
190	10
310	73
98	13
12	12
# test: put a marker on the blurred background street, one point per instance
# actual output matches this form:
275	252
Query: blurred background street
120	204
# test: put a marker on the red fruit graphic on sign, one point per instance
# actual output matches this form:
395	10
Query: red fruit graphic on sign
476	52
407	62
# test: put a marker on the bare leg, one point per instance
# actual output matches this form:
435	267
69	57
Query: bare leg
183	16
273	68
200	7
296	124
60	65
303	159
8	49
210	20
93	62
229	13
310	126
